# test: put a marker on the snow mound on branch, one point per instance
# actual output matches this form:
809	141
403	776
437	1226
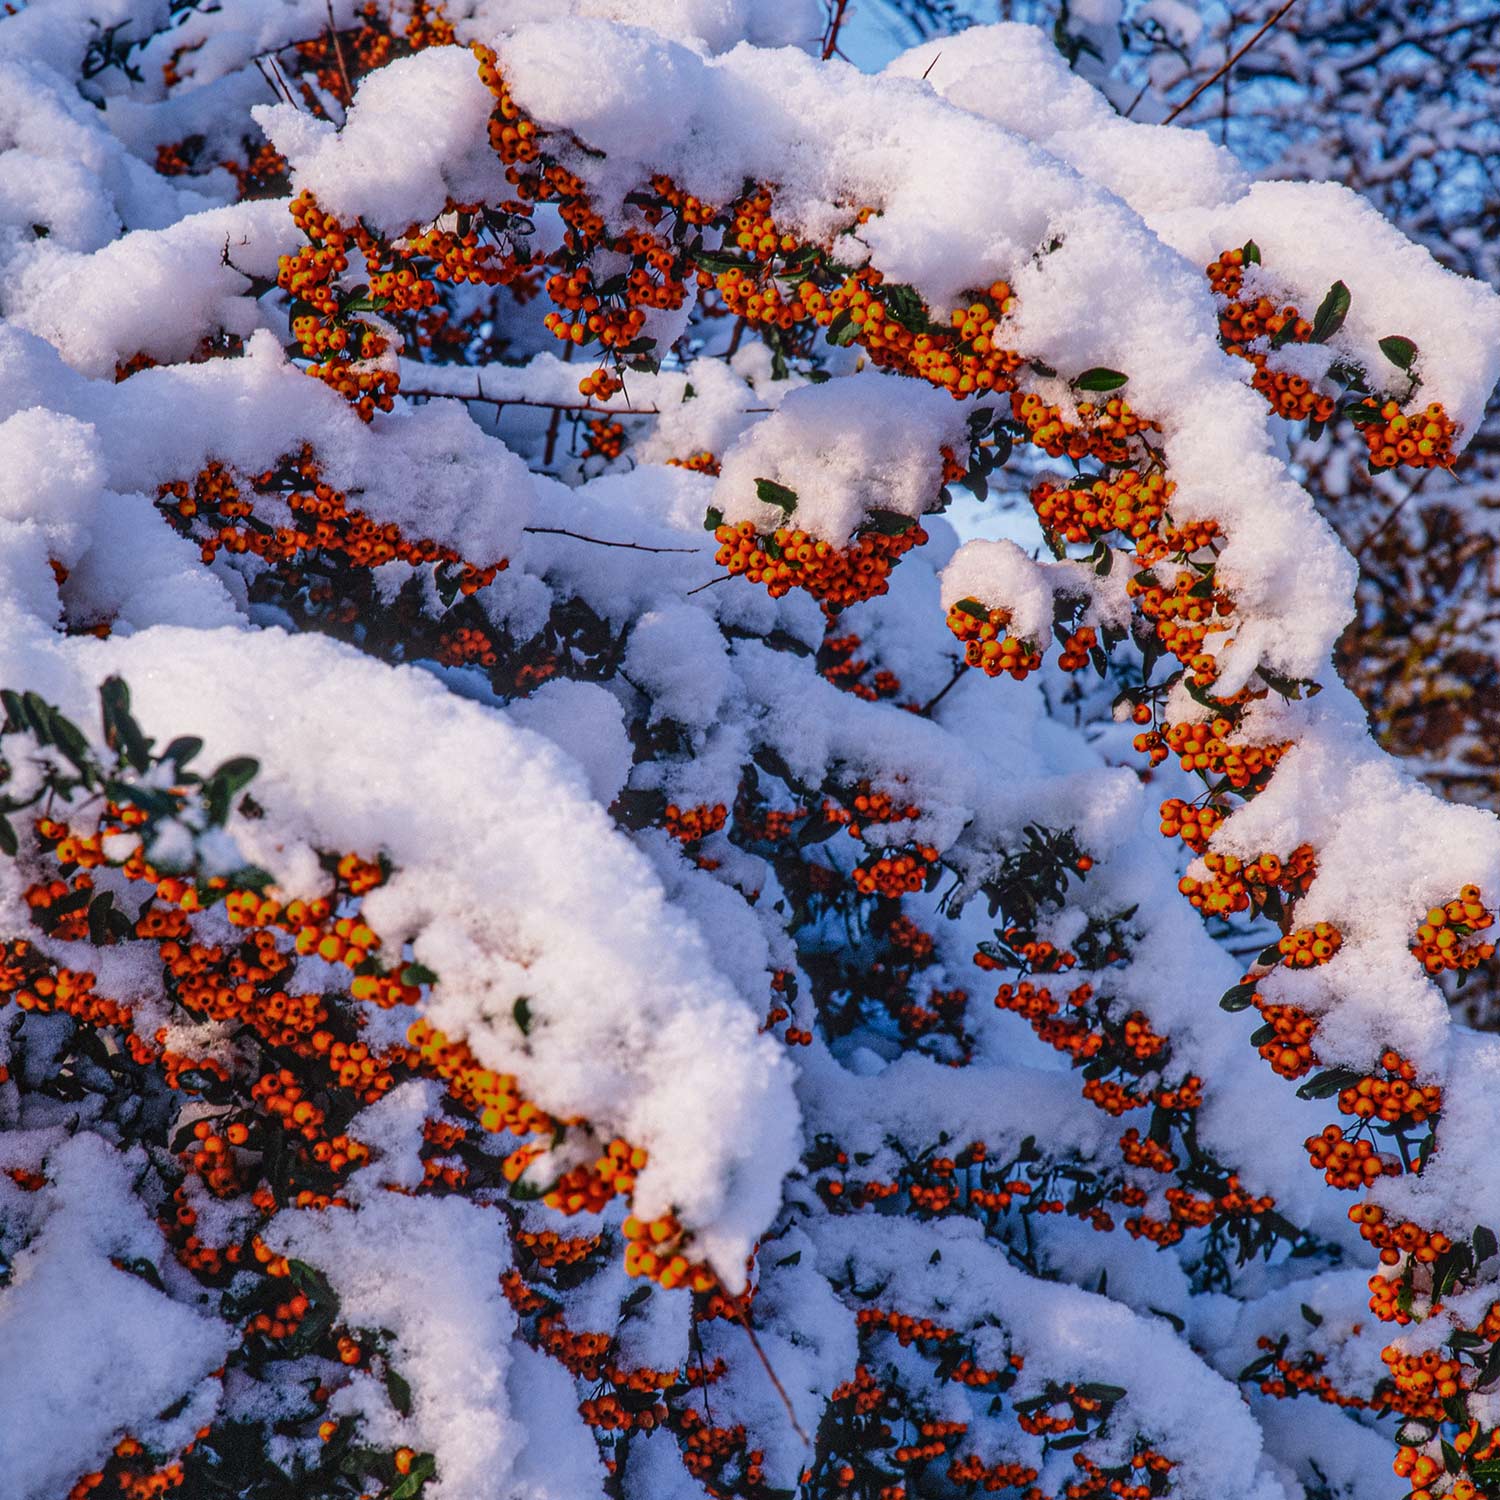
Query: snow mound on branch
845	449
512	883
118	1351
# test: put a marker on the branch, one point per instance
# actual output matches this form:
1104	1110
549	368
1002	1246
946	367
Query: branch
1209	82
835	21
599	541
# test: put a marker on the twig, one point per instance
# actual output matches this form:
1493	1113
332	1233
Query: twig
599	541
498	401
930	66
959	671
711	582
1391	515
1209	82
274	83
338	52
831	36
786	1400
1139	96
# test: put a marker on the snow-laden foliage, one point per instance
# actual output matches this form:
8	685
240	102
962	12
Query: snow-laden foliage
525	873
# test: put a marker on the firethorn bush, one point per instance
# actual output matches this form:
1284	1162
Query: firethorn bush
533	964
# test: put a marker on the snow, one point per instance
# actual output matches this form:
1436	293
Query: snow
644	965
116	1351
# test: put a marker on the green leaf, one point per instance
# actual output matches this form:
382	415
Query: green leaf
1097	1392
1251	252
1331	313
414	974
713	518
1315	1318
182	749
1237	998
237	773
716	262
1329	1082
776	494
398	1391
889	522
1271	954
1400	351
1362	415
843	330
522	1013
121	732
9	844
973	608
1485	1244
1100	379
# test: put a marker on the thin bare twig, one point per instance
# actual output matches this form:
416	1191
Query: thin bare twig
1391	515
1209	82
499	401
786	1400
711	582
338	52
959	671
831	36
600	541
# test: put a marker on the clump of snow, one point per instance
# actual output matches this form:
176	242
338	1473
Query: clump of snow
846	449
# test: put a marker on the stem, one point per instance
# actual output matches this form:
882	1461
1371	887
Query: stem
780	1389
599	541
1209	82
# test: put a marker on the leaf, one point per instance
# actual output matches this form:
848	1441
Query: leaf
1269	955
1097	1392
121	732
1484	1244
1076	1440
889	522
1331	313
715	262
1100	379
422	1469
1362	415
713	518
182	749
1329	1082
1400	351
415	974
1237	998
237	773
1251	252
843	330
973	608
522	1013
776	494
398	1391
1315	1318
9	844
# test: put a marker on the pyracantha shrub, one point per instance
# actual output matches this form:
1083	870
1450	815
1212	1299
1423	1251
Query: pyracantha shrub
532	963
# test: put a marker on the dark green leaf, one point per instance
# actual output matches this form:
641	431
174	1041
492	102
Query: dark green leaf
1331	313
1237	998
1329	1082
1251	252
889	522
1400	351
414	974
399	1392
1100	379
776	494
522	1013
713	518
